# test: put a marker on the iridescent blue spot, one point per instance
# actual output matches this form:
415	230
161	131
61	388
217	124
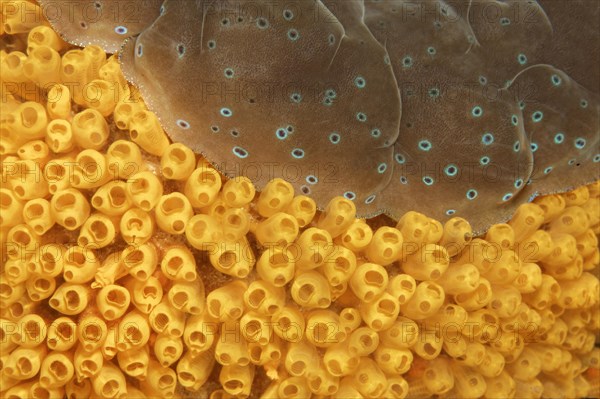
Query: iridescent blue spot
183	124
139	50
583	103
559	138
226	112
296	97
327	101
180	50
288	15
425	145
293	35
228	72
298	153
400	158
484	160
121	30
596	158
334	138
376	133
331	39
350	195
522	58
522	105
431	50
382	168
472	194
450	212
434	92
360	82
240	152
281	133
548	170
451	170
262	23
507	196
407	61
556	80
312	179
518	183
504	21
403	180
330	93
571	162
370	199
580	143
514	120
212	44
537	116
162	10
487	138
517	146
361	117
428	180
477	111
534	147
482	80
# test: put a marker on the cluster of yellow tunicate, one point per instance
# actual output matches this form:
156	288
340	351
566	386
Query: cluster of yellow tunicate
131	268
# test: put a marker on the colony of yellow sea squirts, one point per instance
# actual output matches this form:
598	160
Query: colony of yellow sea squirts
132	268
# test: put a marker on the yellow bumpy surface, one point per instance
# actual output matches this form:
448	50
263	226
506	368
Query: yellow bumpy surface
131	268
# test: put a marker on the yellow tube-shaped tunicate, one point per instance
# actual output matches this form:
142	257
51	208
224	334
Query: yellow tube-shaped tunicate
436	231
40	287
91	332
468	383
275	197
238	192
536	247
124	110
62	334
397	388
140	260
145	130
124	159
429	263
97	57
226	303
386	246
237	380
577	197
338	216
200	333
16	272
232	347
145	190
59	105
101	96
552	206
70	299
587	243
480	253
76	73
16	388
11	209
21	16
300	357
347	389
474	355
311	290
233	258
527	366
438	377
457	234
303	208
236	224
357	236
264	298
165	319
369	281
276	266
134	362
146	294
90	171
502	386
136	226
548	292
56	370
80	265
460	279
320	382
501	234
109	347
570	271
111	198
203	232
476	299
202	186
350	320
98	231
188	297
573	220
430	343
109	382
167	349
582	292
381	313
113	301
493	363
339	266
270	353
323	328
293	388
178	162
279	229
505	268
425	302
36	151
12	68
564	252
393	361
7	328
31	331
527	219
90	129
178	263
133	331
414	227
43	35
43	66
58	173
194	371
79	389
173	212
24	363
111	72
87	364
314	247
289	324
370	379
29	182
363	341
10	294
